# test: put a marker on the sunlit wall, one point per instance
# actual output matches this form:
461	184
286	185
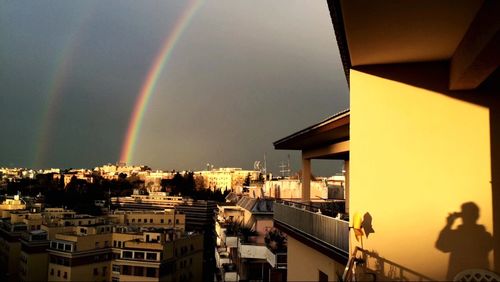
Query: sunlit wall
417	154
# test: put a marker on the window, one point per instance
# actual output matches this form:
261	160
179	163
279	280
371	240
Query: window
52	272
58	273
119	244
53	245
162	221
96	271
151	256
139	220
151	272
133	220
138	255
97	244
169	221
127	254
139	271
177	221
150	220
116	268
67	247
126	270
65	276
114	243
104	270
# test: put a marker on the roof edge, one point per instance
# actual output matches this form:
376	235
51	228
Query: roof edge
328	120
340	35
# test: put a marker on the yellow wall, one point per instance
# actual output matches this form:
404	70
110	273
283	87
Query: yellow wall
84	243
10	252
35	267
418	152
304	263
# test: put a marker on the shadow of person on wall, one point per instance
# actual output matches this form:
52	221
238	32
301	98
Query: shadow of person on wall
468	244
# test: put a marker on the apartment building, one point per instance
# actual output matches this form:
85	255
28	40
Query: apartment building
423	80
61	245
10	249
126	253
226	178
34	257
81	254
242	251
11	204
292	189
167	218
152	200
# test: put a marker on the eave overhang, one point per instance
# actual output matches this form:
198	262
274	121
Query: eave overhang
332	130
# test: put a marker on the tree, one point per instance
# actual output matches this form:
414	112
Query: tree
247	180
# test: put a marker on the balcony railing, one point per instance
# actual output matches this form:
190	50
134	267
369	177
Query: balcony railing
333	231
278	260
252	251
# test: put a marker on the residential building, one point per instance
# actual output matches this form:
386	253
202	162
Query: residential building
34	257
242	251
167	218
125	253
8	205
152	200
200	217
317	229
423	80
227	178
288	188
10	249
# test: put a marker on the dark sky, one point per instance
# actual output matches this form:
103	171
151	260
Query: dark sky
242	75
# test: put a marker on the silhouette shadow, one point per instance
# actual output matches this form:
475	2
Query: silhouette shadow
367	224
468	244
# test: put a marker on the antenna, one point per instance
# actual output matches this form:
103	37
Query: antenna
264	170
285	168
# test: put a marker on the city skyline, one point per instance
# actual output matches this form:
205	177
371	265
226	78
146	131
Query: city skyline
230	79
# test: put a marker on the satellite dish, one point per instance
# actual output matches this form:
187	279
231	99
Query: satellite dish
256	165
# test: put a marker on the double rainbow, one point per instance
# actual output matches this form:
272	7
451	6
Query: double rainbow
60	74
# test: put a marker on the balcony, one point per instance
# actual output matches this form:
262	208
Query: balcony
221	258
309	223
278	260
252	251
138	244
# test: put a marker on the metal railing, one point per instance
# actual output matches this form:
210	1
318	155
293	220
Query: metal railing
309	220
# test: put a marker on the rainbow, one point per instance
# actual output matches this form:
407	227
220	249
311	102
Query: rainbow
149	85
62	69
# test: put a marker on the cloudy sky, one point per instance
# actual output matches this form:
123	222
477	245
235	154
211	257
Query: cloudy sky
242	75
